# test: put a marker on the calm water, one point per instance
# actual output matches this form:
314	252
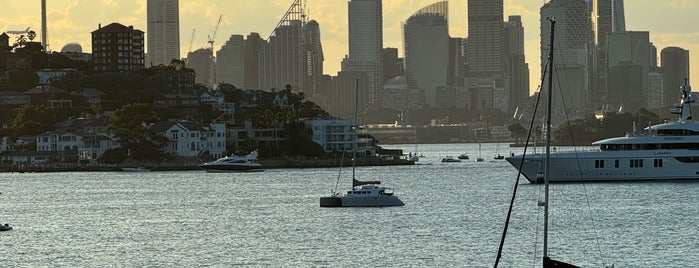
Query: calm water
453	217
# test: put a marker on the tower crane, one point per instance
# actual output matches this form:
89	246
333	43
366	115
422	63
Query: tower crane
213	35
213	57
191	40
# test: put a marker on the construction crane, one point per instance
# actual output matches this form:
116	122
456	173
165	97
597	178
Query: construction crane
213	57
189	50
213	36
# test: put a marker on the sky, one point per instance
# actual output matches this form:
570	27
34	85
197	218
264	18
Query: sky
670	22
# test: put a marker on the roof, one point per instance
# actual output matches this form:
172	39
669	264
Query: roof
42	89
115	27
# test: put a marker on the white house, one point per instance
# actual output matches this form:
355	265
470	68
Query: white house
78	145
338	135
190	139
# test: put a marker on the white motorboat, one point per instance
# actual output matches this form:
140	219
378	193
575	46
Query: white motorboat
363	193
665	151
233	164
450	159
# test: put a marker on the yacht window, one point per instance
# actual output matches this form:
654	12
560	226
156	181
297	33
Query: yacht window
616	163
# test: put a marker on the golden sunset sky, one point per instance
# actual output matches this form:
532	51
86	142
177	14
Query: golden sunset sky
670	22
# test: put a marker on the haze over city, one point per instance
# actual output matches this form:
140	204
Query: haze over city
669	22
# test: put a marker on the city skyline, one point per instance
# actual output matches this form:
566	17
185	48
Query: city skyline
67	24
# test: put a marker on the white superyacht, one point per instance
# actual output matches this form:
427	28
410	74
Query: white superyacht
668	151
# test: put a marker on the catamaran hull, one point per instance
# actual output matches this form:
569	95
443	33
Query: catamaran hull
373	201
612	166
230	168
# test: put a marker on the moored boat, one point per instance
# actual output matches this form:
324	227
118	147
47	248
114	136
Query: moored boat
667	151
5	227
244	163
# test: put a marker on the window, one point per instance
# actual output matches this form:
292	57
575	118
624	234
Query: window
657	163
599	163
616	163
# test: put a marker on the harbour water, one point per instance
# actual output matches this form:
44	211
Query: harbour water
453	217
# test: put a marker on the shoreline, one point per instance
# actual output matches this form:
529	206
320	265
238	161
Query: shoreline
266	163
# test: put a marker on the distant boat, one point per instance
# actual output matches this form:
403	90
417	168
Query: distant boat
450	159
135	169
5	227
463	156
498	156
479	159
233	164
362	193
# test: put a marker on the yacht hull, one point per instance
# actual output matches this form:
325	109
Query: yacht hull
650	165
231	168
368	201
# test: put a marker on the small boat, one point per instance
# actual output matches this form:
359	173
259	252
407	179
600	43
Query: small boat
449	159
363	193
5	227
135	169
463	156
498	157
479	158
233	164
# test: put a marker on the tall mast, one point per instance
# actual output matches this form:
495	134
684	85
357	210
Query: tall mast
356	128
548	141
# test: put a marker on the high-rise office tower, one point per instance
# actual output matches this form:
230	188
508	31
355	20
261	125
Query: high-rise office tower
486	78
230	66
292	55
573	51
426	46
163	31
674	62
116	47
516	65
365	46
609	19
201	60
628	53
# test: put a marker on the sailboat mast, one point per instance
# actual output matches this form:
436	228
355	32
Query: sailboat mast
548	140
356	128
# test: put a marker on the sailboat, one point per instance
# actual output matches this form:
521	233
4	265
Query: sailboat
415	157
362	193
498	156
479	159
546	261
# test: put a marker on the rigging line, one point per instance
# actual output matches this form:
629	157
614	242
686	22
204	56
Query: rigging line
339	172
577	159
519	174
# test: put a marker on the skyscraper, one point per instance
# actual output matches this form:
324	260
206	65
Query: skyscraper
230	67
365	45
630	51
426	46
486	79
609	19
573	52
292	54
517	67
675	65
163	31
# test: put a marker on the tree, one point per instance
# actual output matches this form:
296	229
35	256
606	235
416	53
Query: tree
129	124
33	119
518	131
